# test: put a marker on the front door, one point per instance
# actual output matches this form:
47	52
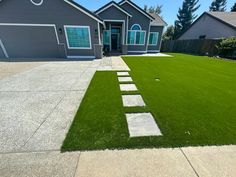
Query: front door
114	41
115	38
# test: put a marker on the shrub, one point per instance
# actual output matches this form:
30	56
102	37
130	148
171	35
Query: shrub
227	47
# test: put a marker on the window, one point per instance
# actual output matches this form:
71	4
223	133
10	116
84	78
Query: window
115	30
140	35
131	37
78	37
106	37
153	38
202	37
136	27
136	37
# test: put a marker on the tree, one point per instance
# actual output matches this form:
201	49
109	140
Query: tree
218	5
145	8
233	9
169	34
153	9
185	16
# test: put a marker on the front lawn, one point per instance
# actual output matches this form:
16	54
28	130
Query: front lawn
193	104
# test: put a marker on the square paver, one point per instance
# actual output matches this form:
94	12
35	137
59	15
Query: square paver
132	100
125	79
128	87
123	73
142	124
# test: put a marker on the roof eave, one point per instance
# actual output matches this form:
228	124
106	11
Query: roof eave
84	10
137	7
112	3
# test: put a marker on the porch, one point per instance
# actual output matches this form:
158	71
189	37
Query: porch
114	37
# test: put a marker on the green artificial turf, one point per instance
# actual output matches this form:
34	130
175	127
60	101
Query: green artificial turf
194	103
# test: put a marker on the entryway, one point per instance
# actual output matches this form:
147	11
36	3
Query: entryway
113	37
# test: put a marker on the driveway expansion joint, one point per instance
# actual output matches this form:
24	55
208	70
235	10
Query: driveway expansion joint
46	117
189	162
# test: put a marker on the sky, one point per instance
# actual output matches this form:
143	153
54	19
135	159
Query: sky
169	10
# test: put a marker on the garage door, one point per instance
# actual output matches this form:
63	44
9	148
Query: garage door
30	41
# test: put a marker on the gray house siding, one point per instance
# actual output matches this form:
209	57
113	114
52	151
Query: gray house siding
1	54
55	12
156	48
112	13
210	27
143	21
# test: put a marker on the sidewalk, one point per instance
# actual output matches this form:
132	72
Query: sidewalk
179	162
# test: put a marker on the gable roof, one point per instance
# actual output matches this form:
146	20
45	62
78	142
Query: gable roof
227	18
137	7
108	5
84	10
158	20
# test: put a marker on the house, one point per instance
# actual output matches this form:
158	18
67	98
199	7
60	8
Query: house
212	25
65	29
48	29
129	29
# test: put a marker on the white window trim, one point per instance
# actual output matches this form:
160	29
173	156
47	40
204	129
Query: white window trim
135	37
156	40
99	35
136	25
76	26
37	3
149	28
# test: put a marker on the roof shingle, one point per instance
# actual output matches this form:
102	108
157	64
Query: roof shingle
158	21
227	17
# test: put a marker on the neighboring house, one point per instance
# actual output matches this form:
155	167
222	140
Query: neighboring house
64	29
212	25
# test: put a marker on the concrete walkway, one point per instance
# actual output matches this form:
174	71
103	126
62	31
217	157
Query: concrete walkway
37	105
150	55
113	64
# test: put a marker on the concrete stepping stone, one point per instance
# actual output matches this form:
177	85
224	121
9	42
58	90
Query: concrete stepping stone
128	87
142	124
132	100
125	79
123	73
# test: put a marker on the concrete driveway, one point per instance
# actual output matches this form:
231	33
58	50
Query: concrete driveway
38	102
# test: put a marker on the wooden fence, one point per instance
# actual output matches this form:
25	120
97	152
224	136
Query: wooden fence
194	46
